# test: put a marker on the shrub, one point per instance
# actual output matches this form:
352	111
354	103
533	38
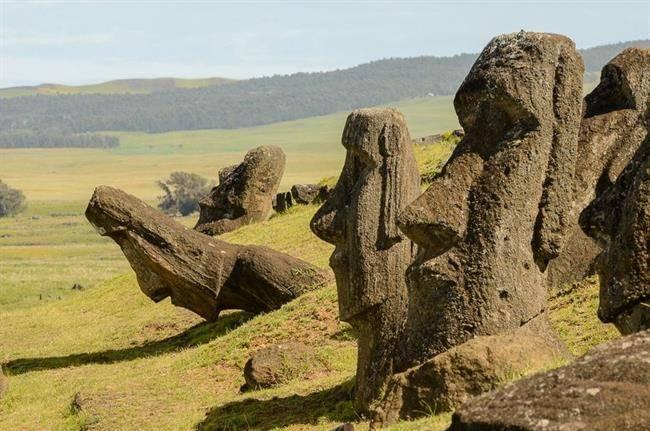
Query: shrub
12	201
182	192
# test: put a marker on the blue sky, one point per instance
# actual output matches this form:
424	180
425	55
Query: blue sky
84	42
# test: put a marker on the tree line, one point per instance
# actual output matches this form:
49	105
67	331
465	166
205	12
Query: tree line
27	120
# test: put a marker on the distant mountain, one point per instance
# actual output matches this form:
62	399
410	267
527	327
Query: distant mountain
250	102
118	86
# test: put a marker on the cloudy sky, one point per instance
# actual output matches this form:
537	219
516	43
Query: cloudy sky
90	41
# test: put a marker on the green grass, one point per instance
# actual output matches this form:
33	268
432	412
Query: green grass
312	147
118	86
137	365
140	365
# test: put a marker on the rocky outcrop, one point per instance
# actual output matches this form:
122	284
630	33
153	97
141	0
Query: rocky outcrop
244	193
490	222
611	132
379	178
619	220
276	364
607	389
200	273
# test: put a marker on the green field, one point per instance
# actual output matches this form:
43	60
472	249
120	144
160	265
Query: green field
312	147
137	365
118	86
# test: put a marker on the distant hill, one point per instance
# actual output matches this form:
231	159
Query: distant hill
118	86
250	102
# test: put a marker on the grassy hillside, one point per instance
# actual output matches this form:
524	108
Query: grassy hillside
118	86
140	365
312	146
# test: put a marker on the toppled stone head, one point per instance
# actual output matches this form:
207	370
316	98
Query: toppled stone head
200	273
378	180
245	192
495	216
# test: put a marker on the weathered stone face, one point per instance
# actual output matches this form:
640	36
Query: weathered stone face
607	389
197	272
379	178
611	131
245	192
496	215
619	219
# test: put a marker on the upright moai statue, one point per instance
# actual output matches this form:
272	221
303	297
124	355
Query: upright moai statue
378	180
619	219
611	131
496	215
488	226
245	192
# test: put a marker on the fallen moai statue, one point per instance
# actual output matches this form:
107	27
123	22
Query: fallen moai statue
245	192
611	131
607	389
491	221
379	178
619	219
200	273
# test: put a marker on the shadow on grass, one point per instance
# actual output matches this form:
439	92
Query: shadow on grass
332	404
195	336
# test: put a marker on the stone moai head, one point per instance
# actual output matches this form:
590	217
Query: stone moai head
378	179
493	218
619	220
359	217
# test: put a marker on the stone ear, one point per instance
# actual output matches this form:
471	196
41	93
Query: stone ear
390	141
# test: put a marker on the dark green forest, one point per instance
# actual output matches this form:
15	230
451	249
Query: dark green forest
61	120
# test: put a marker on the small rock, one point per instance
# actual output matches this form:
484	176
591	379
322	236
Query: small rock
305	194
276	364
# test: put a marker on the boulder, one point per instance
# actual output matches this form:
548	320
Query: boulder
481	364
276	364
607	389
379	178
611	131
619	220
245	192
198	272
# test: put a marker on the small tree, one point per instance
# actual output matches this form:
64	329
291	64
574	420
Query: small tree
12	201
182	192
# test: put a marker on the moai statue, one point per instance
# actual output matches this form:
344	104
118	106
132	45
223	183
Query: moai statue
619	219
611	131
245	192
200	273
378	180
489	224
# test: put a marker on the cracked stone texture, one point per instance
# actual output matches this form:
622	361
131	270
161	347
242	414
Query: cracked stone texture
607	389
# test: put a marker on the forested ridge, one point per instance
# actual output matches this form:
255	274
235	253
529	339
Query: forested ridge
244	103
